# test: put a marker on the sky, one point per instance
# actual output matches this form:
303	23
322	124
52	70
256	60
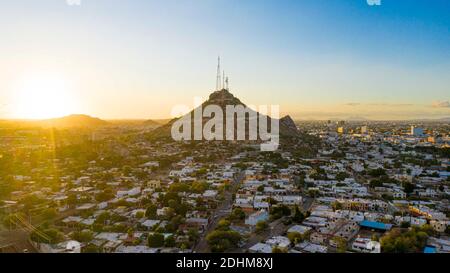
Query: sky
317	59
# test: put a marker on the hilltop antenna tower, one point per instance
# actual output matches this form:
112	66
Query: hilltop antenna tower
223	80
218	80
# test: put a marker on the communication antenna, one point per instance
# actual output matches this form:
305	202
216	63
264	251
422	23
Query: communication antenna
223	80
218	74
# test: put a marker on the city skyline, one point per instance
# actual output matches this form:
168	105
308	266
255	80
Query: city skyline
316	59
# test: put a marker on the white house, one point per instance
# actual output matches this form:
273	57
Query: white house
299	229
366	245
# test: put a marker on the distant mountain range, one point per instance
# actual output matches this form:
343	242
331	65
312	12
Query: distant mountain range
155	123
72	121
78	120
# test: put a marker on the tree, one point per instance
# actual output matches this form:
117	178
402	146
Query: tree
169	241
336	205
71	199
130	232
261	226
220	240
104	196
53	236
199	187
140	214
376	183
405	224
298	215
279	211
406	241
260	188
102	218
295	237
223	224
150	212
155	240
237	214
178	187
341	244
82	236
91	248
277	249
193	235
49	214
341	176
377	172
408	187
313	193
126	170
375	237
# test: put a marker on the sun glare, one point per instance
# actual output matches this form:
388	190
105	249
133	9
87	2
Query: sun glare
43	96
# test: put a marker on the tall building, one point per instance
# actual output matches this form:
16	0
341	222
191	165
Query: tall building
416	131
364	130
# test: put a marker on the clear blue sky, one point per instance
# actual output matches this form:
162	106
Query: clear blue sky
316	58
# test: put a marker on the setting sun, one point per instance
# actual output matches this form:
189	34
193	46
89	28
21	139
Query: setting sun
42	96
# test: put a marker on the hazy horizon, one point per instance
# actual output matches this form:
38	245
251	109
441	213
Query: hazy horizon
444	119
317	59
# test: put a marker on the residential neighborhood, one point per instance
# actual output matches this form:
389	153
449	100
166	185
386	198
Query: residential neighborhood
372	188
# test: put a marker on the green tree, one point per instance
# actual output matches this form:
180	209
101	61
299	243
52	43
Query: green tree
223	224
261	226
405	225
193	235
341	176
220	240
298	215
276	249
295	237
406	241
82	236
49	214
260	188
169	241
377	172
52	236
155	240
408	187
237	214
91	248
150	212
199	186
341	244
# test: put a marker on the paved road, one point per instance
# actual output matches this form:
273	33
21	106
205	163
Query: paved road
275	228
222	210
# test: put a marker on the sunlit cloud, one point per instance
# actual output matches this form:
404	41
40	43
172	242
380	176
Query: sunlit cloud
441	104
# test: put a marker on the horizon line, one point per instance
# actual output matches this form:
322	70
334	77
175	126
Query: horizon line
168	118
